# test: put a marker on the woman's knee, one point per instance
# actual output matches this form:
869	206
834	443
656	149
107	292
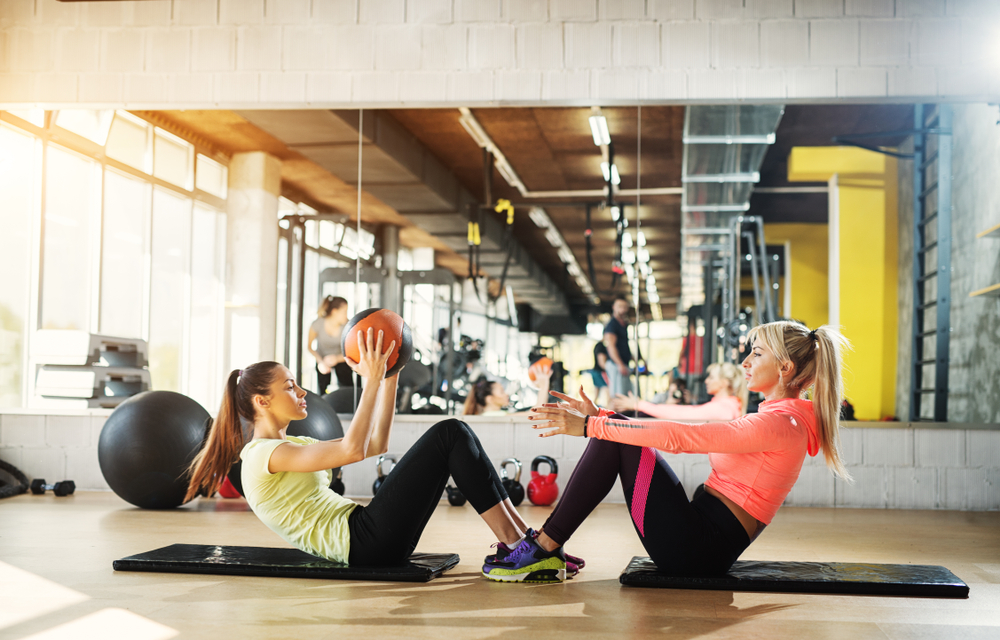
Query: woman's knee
451	427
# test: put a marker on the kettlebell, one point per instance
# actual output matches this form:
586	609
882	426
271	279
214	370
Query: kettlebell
338	483
515	491
543	490
381	474
455	497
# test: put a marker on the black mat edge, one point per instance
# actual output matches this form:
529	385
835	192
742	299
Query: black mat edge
645	579
417	570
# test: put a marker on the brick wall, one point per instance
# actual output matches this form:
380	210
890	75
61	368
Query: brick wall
894	467
232	53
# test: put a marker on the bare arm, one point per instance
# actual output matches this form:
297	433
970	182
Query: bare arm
355	444
384	415
309	344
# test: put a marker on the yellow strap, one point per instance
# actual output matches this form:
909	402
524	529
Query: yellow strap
475	233
504	205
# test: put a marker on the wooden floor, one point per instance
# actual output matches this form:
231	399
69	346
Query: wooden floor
56	581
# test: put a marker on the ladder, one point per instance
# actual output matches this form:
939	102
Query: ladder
932	144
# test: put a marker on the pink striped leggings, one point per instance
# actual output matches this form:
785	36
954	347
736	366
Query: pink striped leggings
696	537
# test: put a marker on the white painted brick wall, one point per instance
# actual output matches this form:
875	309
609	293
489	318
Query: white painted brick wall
770	8
615	85
375	87
78	50
423	87
523	86
573	10
241	12
870	489
195	12
686	45
818	8
334	12
621	9
491	47
429	12
525	10
819	82
669	85
856	83
397	47
16	12
101	88
783	42
258	48
305	48
282	87
213	49
476	10
145	89
287	11
32	50
539	46
191	88
920	8
762	83
122	50
735	44
870	8
636	45
61	14
239	87
938	42
885	42
567	86
913	488
833	42
168	50
666	10
382	11
588	45
939	447
445	47
912	82
328	86
151	13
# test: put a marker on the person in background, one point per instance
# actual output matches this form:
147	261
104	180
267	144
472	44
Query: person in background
325	333
619	355
598	375
725	383
490	398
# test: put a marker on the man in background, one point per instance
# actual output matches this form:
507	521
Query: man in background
619	355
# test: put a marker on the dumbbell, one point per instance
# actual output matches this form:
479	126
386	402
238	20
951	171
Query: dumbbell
64	488
455	496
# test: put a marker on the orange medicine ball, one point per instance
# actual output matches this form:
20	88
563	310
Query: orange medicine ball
393	328
540	364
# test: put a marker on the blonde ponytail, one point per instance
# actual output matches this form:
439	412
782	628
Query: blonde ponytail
818	359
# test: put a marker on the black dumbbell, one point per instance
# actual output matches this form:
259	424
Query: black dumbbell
64	488
338	483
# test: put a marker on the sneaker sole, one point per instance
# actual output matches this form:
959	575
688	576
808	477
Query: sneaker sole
548	570
541	576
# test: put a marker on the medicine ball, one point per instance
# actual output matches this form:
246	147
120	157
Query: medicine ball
536	368
393	328
321	423
147	444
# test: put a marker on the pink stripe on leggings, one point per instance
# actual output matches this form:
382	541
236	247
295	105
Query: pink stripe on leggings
647	460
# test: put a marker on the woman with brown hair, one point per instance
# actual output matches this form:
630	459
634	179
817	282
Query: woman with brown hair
325	333
755	459
286	478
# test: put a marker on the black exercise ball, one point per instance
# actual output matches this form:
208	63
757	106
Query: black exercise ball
147	444
322	423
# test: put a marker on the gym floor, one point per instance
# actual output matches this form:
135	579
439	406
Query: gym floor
56	580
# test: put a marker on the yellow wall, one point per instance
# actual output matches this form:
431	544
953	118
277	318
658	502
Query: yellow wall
867	267
808	265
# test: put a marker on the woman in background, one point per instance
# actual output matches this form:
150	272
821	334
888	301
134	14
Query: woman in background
725	383
325	333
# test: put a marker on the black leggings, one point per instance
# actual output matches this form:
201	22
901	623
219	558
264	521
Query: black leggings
697	537
387	530
344	377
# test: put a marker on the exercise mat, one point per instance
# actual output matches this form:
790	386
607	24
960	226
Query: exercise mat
809	577
280	563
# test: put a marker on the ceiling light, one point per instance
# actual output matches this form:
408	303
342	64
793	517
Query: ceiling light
616	213
573	269
615	178
653	297
606	171
628	258
641	239
553	237
599	129
471	126
565	254
626	240
580	280
650	284
539	217
643	255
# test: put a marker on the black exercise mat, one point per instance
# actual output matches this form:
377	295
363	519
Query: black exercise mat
279	563
810	577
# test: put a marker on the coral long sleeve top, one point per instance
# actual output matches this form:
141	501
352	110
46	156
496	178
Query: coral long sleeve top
755	459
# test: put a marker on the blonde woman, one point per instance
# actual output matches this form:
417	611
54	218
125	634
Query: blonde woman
725	383
324	332
755	459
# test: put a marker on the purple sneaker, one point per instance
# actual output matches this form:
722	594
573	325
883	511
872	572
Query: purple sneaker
529	562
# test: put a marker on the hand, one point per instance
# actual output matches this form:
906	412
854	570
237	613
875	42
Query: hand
372	364
624	403
560	419
584	405
622	369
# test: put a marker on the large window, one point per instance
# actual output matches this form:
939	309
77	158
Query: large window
111	225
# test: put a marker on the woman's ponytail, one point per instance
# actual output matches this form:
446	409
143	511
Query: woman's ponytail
818	359
226	436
